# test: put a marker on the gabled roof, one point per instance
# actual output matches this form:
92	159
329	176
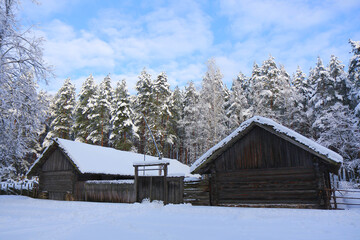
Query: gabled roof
87	158
284	132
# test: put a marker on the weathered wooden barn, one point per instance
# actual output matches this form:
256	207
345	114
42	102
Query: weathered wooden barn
263	163
79	171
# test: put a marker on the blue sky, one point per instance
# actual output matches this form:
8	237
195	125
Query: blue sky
123	37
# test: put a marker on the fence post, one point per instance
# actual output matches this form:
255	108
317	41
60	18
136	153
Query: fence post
136	184
165	184
335	204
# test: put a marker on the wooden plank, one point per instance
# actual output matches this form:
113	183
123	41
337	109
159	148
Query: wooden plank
283	170
56	161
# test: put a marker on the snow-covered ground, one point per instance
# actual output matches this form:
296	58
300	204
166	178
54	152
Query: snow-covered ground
27	218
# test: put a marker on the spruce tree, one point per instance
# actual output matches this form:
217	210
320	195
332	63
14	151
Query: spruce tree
190	124
333	123
238	109
283	95
299	120
175	129
322	96
83	110
62	109
100	102
143	107
254	87
123	128
270	91
164	137
341	82
354	76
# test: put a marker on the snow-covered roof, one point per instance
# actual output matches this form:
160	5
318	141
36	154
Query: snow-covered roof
322	151
104	160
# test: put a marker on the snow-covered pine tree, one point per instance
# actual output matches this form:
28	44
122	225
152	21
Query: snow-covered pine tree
190	125
100	117
164	137
213	118
299	120
62	109
143	107
354	76
253	87
238	110
346	135
302	87
284	94
264	86
333	122
123	128
339	76
175	129
83	110
321	97
270	88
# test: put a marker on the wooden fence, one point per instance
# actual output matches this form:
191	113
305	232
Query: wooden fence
25	188
120	191
343	198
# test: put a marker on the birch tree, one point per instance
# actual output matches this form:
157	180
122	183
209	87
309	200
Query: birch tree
21	66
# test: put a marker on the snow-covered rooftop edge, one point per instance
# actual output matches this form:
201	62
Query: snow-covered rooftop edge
89	158
37	160
277	127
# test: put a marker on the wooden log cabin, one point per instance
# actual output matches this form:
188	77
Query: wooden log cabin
79	171
263	163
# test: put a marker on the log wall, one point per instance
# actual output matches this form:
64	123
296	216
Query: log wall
197	192
262	168
262	149
267	186
57	176
57	184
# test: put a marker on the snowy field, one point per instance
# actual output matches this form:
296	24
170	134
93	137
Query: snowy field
26	218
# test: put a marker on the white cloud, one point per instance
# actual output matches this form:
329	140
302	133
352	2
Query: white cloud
179	74
254	16
177	37
70	51
122	44
294	32
36	10
161	34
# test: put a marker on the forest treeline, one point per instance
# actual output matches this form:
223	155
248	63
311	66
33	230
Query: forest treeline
323	105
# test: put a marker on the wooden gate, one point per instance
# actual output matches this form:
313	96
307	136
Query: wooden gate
160	187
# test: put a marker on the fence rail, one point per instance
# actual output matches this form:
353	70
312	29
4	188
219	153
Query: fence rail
26	188
346	200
